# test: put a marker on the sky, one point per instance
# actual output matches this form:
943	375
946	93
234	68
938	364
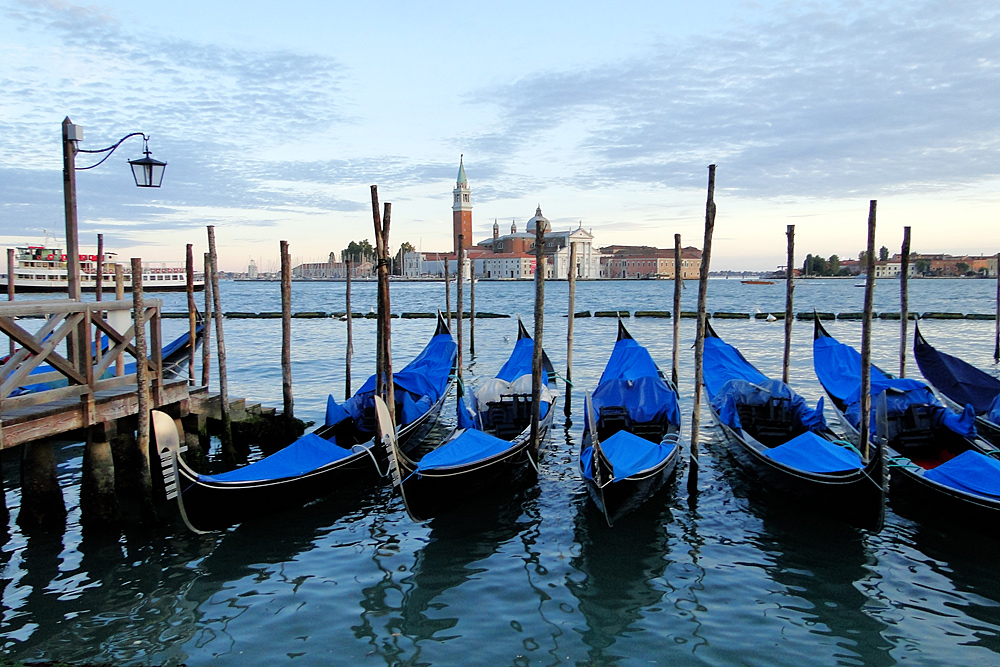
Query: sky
276	118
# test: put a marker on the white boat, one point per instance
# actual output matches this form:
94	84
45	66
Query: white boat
42	268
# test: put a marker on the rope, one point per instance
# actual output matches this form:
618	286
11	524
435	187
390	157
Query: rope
371	454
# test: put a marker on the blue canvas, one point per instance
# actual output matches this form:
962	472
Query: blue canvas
970	472
628	454
811	453
470	446
304	455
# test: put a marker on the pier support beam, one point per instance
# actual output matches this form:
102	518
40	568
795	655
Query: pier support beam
42	505
132	477
98	500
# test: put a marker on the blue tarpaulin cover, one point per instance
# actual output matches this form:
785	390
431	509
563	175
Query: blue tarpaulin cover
838	367
723	362
519	362
629	455
305	454
731	380
740	392
812	453
631	380
424	377
994	412
470	446
971	472
961	382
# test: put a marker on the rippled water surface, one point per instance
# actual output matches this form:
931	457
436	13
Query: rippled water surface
729	575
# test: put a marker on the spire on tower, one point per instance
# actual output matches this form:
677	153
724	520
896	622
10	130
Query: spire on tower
462	180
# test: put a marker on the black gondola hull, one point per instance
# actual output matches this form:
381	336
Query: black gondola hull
920	498
617	499
435	492
856	497
217	504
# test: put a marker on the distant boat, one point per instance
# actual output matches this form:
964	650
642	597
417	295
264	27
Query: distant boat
39	268
757	282
861	282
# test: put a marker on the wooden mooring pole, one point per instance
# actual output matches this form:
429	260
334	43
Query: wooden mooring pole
350	335
286	332
226	437
536	355
699	341
10	284
571	315
472	307
678	286
99	278
206	349
447	290
460	301
192	308
140	462
789	294
119	296
996	343
904	300
384	373
866	335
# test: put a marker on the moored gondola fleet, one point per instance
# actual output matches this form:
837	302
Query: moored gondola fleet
933	446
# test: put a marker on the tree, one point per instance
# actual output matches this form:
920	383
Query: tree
834	265
883	254
922	266
962	268
358	252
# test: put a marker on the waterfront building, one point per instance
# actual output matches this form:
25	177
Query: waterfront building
621	261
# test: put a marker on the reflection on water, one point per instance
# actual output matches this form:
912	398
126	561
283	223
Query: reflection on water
728	576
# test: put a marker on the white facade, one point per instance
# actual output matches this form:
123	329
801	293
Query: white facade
505	267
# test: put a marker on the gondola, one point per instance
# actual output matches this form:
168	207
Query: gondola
772	434
961	384
337	454
490	450
631	433
939	466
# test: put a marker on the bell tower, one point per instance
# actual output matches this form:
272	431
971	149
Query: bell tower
462	209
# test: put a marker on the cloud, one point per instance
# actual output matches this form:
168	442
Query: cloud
813	101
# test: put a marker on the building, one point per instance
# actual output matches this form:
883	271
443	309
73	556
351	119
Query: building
331	270
461	216
556	251
619	261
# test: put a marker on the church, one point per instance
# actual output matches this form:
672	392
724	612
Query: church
507	257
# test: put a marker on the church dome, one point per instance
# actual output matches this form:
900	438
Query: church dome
539	219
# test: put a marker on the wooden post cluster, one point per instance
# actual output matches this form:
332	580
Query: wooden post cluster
536	356
904	300
286	331
789	291
996	343
699	344
571	278
384	382
866	335
678	286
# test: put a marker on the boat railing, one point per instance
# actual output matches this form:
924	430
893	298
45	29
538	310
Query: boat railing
69	325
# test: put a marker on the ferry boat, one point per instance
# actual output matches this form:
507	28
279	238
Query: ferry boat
41	268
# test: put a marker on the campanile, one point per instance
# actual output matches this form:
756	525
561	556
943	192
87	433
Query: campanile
462	209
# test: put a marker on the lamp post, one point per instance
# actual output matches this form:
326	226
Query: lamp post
148	173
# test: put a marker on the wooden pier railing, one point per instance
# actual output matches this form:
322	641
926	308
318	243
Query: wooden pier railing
80	388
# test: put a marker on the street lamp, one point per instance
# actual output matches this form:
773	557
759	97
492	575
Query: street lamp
148	173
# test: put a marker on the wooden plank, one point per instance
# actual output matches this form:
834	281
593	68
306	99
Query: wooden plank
63	417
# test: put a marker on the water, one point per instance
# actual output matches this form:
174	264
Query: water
728	576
